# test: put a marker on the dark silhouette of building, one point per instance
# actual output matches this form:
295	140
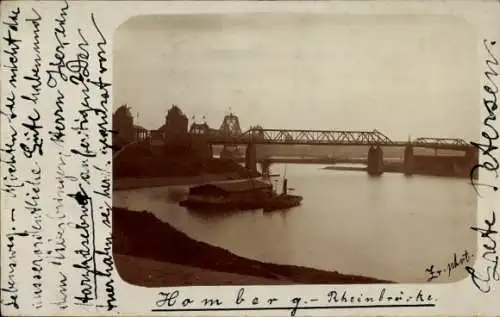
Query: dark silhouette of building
175	129
123	123
141	134
199	128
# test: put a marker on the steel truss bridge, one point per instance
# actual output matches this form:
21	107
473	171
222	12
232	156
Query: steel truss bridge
324	137
230	134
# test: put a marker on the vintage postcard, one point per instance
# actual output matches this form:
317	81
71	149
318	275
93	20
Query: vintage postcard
254	158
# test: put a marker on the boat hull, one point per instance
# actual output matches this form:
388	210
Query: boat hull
268	204
282	202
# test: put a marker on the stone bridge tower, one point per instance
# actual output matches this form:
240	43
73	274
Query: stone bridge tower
230	127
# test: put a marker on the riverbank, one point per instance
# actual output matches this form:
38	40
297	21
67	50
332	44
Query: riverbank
152	161
125	183
152	273
142	235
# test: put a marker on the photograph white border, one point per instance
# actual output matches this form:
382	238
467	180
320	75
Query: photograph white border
448	299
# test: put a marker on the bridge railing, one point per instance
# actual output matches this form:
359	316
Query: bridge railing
440	141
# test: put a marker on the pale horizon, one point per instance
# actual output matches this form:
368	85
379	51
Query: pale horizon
404	76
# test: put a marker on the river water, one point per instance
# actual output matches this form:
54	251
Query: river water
392	227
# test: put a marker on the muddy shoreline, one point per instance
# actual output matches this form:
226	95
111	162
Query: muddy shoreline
142	235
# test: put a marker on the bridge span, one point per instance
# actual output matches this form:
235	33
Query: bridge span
374	141
322	137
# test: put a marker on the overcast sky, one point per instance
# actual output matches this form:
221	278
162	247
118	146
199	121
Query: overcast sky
401	75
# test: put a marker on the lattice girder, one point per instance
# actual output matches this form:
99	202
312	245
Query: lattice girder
317	136
440	141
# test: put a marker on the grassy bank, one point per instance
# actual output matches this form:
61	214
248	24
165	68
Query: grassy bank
140	234
152	273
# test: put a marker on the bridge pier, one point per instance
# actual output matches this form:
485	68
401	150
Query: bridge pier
472	159
472	156
375	160
251	158
227	153
409	160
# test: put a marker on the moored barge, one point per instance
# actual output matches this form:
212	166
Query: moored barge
248	194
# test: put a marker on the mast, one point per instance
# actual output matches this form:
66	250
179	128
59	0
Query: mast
285	183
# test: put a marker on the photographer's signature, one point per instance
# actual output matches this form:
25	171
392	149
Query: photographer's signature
458	261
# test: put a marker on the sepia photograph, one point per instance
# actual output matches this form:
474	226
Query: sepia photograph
294	148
